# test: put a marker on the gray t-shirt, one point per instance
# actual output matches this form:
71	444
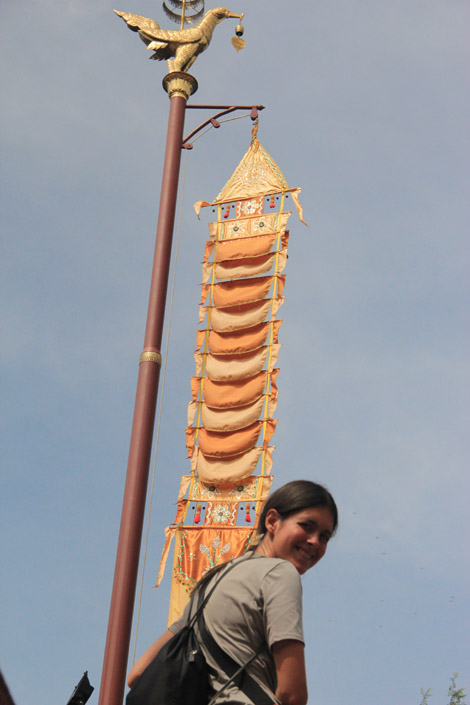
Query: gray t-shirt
259	600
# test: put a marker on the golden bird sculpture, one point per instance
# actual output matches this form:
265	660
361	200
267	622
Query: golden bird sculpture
184	45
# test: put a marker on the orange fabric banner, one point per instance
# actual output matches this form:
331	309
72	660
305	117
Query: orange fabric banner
232	419
238	393
243	247
250	489
196	551
208	250
170	532
201	549
248	247
195	386
205	288
222	395
234	390
191	432
224	320
214	444
233	367
249	227
246	267
216	470
229	419
238	341
243	291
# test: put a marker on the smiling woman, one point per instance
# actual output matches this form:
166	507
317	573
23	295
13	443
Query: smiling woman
259	602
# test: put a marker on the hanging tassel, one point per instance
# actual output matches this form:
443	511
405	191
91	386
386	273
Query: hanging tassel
247	515
197	516
227	211
272	204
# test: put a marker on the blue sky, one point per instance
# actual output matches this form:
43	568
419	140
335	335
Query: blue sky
367	111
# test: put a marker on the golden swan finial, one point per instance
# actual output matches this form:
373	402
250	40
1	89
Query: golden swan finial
184	45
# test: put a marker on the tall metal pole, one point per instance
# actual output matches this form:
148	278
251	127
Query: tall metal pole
179	87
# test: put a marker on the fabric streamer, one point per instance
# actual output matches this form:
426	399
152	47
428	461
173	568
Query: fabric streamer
234	389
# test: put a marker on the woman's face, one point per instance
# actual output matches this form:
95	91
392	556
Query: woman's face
302	537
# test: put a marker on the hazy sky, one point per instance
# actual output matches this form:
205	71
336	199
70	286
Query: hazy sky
367	111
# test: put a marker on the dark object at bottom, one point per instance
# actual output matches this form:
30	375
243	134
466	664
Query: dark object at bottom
176	676
82	691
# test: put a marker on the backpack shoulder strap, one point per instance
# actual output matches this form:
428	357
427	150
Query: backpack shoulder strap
234	672
202	598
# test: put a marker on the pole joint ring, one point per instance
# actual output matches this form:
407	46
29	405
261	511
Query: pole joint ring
151	356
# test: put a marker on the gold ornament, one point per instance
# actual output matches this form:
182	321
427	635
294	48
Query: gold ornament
184	45
238	43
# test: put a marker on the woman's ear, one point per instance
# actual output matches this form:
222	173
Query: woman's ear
271	521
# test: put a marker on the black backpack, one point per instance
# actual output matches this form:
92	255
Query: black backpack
179	675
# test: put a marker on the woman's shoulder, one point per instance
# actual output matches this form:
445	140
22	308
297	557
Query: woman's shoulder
264	567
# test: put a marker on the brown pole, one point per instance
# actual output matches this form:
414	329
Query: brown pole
179	87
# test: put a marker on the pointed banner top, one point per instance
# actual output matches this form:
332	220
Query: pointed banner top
256	175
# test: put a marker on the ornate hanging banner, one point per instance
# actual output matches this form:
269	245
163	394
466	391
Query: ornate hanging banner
234	390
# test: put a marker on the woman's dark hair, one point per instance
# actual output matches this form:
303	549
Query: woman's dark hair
287	500
295	496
